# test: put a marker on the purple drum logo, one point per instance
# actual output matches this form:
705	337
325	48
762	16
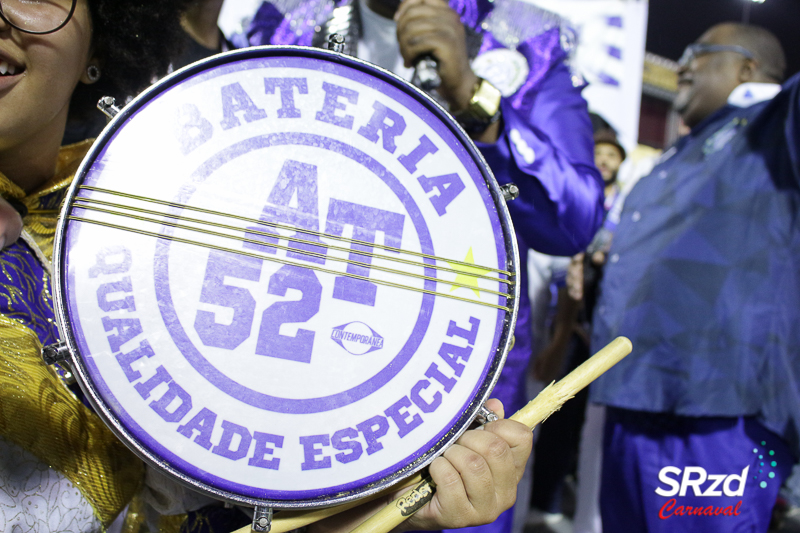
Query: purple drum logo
357	338
304	255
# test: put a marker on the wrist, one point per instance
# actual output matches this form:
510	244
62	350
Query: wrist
482	109
461	97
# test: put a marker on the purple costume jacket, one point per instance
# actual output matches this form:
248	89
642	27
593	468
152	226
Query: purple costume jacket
545	146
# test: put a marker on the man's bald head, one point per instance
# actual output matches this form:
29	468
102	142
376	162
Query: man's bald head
723	58
764	46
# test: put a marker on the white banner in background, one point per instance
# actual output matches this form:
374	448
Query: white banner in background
235	14
610	55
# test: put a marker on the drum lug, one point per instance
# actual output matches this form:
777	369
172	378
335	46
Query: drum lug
262	519
108	105
486	415
56	353
510	191
336	43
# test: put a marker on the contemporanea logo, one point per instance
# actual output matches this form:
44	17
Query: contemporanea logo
677	482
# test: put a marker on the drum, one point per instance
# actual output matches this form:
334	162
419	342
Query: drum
286	277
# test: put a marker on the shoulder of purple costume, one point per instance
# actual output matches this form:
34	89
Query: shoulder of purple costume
512	22
285	22
544	39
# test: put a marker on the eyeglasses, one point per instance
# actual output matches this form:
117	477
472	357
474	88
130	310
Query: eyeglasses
698	49
37	16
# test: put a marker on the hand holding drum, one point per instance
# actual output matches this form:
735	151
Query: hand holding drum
546	403
423	489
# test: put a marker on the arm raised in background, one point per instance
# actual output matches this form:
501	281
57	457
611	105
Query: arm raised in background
545	147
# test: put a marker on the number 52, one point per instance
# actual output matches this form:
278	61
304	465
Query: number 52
270	341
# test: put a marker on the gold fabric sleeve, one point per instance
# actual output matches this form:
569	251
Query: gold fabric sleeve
39	414
44	203
136	519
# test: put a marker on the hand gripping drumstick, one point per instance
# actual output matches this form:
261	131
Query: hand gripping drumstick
290	520
545	404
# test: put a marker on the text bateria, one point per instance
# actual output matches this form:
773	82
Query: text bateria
288	277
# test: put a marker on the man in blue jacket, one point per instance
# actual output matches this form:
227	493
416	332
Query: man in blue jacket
703	420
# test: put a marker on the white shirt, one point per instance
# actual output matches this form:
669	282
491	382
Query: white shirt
379	44
751	93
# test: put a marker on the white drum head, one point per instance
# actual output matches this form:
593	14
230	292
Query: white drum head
287	277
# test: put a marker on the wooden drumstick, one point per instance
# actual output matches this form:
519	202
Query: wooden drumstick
289	520
546	403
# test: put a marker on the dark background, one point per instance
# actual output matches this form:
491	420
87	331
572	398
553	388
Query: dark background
672	24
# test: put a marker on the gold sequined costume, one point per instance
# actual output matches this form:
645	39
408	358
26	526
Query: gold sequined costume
52	445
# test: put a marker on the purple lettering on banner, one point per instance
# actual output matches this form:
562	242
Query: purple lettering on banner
452	354
389	130
262	450
366	221
425	147
174	392
126	329
448	186
351	448
404	420
203	422
161	376
270	341
102	266
286	87
311	452
193	130
453	330
229	431
373	429
433	372
125	360
234	100
332	103
300	179
215	292
117	304
419	401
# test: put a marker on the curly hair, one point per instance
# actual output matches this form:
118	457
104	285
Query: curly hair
134	41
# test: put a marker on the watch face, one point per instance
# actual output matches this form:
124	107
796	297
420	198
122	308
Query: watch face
485	102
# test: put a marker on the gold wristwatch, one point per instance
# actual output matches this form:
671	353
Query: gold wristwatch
483	109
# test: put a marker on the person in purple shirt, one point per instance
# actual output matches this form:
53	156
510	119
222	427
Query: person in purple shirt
538	137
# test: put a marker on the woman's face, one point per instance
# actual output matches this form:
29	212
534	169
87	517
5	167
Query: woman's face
34	100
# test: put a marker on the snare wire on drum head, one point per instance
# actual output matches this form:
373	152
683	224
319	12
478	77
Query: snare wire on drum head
469	270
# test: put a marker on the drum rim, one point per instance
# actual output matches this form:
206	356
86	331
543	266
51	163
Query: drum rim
125	434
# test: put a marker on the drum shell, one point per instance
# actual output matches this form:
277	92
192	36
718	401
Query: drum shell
82	366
